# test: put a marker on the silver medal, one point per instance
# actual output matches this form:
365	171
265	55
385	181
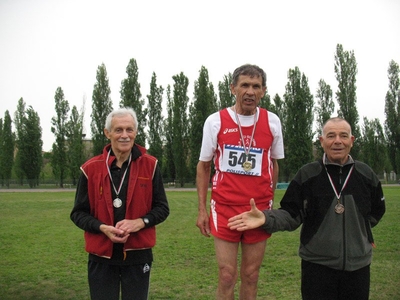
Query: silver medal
117	203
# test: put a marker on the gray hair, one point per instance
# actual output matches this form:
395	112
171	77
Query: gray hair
122	111
335	120
249	70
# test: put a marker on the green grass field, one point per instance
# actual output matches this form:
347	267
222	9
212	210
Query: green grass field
42	254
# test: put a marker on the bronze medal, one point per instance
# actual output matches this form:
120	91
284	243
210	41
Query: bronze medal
339	208
247	166
117	203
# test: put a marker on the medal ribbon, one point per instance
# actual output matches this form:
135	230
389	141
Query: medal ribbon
123	177
246	151
344	184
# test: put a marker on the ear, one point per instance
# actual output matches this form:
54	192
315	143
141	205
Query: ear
233	90
106	133
264	89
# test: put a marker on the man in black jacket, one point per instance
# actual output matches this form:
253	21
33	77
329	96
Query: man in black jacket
338	200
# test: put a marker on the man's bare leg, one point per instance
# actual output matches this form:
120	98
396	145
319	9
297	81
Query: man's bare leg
226	254
252	257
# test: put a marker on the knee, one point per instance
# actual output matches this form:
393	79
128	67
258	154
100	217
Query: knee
250	275
228	276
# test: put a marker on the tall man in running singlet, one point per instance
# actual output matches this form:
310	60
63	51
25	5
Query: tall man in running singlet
244	142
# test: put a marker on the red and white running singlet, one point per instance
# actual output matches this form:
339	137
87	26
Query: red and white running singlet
230	177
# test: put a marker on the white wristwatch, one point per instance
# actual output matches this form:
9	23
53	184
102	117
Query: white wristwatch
145	221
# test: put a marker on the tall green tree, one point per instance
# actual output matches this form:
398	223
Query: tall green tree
373	145
168	154
279	108
19	117
346	72
323	111
180	126
101	107
204	104
131	97
33	151
226	99
298	128
59	129
6	149
392	113
74	133
29	144
156	130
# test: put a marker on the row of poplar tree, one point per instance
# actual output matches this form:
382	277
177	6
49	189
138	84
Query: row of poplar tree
175	139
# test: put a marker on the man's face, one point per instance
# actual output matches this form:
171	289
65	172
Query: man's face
122	134
337	141
248	92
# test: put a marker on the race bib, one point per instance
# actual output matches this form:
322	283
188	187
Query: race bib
234	160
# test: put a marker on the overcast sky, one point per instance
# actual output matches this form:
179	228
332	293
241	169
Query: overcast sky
45	44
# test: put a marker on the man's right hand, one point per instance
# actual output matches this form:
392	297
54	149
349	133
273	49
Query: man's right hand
203	222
